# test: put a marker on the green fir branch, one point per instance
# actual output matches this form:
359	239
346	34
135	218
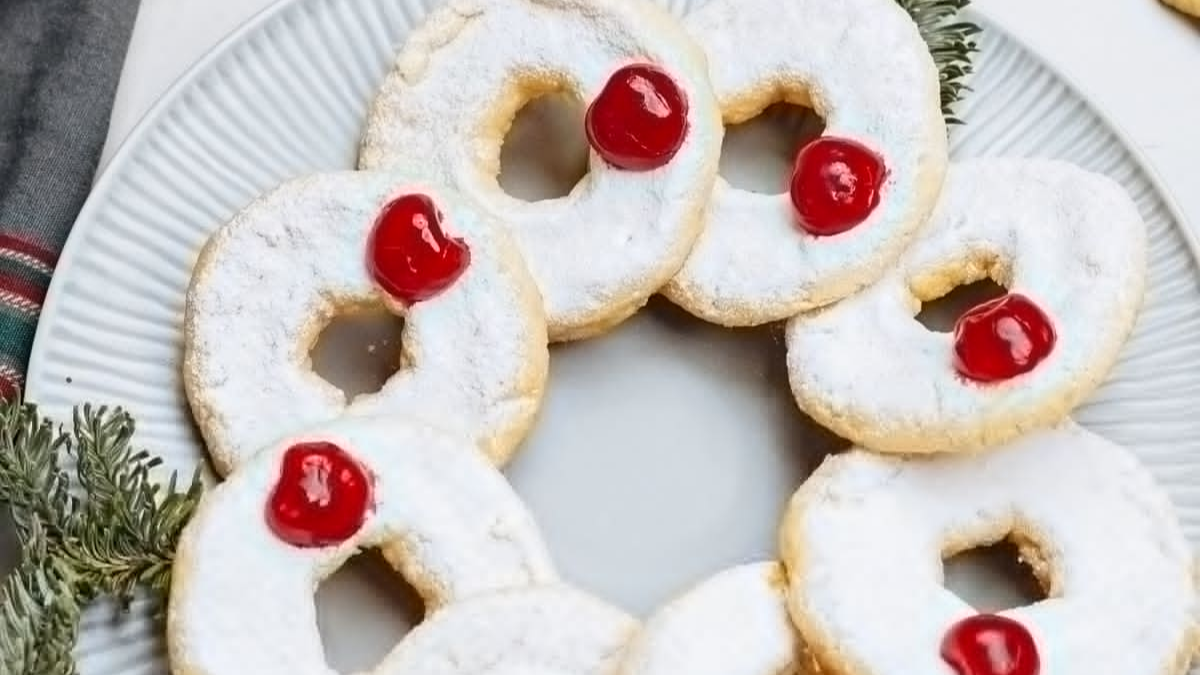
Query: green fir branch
104	528
950	42
32	484
39	620
143	520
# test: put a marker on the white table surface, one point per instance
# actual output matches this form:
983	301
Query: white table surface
1138	60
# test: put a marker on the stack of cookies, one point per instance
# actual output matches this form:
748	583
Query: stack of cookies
961	439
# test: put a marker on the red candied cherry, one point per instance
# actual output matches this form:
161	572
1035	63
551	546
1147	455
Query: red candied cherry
1002	338
639	119
409	254
990	644
322	496
836	184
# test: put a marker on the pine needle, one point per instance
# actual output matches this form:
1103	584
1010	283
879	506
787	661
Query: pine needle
105	529
950	42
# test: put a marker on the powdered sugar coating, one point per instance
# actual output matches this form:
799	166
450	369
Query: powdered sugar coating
547	630
601	251
1071	240
242	599
734	623
863	542
862	65
475	356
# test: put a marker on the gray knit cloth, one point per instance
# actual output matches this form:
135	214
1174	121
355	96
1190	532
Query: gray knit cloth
59	65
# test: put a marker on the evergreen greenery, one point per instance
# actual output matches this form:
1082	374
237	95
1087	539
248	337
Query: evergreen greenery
104	527
950	41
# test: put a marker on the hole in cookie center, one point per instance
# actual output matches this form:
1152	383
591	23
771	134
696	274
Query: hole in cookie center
363	610
757	154
545	153
359	350
993	578
941	314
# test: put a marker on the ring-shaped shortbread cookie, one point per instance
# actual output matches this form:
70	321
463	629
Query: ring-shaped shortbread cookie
733	623
267	282
863	66
1070	247
242	595
864	538
601	251
540	630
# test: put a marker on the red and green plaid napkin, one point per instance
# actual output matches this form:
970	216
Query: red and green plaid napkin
59	65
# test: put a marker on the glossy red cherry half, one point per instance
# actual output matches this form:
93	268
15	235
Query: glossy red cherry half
835	185
1002	338
321	498
409	254
989	644
639	119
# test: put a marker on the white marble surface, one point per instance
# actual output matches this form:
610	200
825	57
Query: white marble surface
1137	59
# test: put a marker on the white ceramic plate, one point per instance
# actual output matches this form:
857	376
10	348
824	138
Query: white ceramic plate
666	448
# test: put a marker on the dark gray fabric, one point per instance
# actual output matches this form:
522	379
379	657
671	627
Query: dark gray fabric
59	65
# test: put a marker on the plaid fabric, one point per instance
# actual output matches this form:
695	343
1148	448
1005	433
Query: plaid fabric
59	65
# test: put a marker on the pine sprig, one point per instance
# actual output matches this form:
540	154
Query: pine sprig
143	520
103	529
32	484
39	620
950	42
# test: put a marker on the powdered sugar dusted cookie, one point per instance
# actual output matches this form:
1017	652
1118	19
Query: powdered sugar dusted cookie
863	541
601	251
858	194
734	623
260	543
546	630
1069	246
266	284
